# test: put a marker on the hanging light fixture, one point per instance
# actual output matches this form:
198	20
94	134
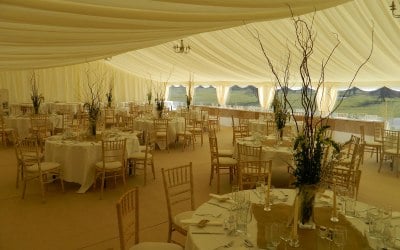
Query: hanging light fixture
181	47
392	7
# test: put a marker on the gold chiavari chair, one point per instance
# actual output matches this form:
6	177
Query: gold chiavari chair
390	148
178	187
369	145
220	163
32	167
161	131
249	172
128	225
112	164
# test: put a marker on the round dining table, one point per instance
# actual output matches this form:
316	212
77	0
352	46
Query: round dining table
22	124
216	233
175	125
78	157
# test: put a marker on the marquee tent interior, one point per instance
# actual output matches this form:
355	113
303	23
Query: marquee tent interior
133	42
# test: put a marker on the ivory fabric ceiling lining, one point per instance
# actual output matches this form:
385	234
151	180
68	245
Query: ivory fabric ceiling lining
40	34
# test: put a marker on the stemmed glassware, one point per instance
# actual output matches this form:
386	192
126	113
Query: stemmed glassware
260	189
286	235
339	237
276	234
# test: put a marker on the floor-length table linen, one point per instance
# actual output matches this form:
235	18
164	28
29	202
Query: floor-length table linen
175	125
78	158
22	124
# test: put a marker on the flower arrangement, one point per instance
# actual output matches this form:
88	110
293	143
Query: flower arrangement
189	94
280	113
160	97
94	100
311	141
149	96
109	96
36	98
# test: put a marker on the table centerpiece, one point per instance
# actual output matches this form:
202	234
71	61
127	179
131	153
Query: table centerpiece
312	141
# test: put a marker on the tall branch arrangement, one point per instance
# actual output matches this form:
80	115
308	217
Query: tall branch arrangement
36	97
311	140
109	94
189	95
94	94
159	90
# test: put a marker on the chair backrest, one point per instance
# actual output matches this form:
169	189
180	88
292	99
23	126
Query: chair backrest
160	125
178	187
252	171
109	116
113	150
213	141
68	120
350	150
378	133
271	127
249	153
128	218
28	151
39	125
390	141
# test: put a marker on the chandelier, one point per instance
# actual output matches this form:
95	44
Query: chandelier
393	9
181	47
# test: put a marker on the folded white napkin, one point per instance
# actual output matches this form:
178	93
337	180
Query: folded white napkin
219	197
195	221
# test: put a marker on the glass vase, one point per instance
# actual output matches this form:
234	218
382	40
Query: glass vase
307	198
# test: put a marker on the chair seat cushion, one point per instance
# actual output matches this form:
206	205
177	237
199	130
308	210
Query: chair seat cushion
373	144
142	148
225	152
140	155
182	216
225	161
109	165
161	133
45	166
155	246
392	151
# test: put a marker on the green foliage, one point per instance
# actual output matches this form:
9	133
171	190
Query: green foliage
308	155
36	98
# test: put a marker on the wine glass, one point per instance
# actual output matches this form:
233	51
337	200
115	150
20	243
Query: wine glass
276	233
339	237
286	234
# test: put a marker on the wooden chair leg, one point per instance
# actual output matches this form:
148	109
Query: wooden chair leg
103	177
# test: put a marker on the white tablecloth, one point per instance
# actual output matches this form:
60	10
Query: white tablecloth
279	155
78	158
175	125
22	124
213	235
217	212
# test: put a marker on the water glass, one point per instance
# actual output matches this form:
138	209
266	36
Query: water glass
235	192
375	223
243	217
350	207
286	235
260	189
339	236
276	233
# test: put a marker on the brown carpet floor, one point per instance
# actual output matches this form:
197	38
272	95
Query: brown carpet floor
83	221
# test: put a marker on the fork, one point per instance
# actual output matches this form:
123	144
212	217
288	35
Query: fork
227	245
212	215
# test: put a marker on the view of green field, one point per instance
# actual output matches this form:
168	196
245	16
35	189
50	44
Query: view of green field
384	103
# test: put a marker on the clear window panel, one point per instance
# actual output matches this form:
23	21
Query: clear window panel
380	104
247	96
177	94
205	96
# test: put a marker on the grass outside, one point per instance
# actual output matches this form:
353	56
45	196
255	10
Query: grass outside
361	103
